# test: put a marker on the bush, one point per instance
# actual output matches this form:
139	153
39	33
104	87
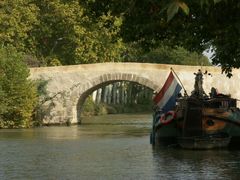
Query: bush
101	109
88	107
17	93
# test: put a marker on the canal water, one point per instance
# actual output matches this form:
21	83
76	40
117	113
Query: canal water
107	147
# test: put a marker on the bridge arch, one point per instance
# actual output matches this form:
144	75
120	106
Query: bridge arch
69	85
81	91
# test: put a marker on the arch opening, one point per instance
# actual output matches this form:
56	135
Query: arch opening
117	96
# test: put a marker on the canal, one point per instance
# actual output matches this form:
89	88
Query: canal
106	147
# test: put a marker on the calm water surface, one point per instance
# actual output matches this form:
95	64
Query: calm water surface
106	147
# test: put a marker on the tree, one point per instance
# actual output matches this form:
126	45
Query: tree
177	55
18	20
214	23
69	32
17	94
61	32
194	25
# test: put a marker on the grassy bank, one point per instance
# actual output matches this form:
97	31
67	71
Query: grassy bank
92	109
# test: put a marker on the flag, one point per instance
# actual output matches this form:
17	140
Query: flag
166	97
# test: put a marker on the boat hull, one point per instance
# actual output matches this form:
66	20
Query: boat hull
167	135
219	123
204	142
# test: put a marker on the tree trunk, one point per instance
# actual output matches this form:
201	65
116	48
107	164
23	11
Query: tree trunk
98	96
114	92
129	93
109	95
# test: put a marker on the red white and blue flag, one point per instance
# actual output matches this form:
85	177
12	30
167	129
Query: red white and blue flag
166	97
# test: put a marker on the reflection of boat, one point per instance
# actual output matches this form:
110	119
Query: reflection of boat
209	141
198	121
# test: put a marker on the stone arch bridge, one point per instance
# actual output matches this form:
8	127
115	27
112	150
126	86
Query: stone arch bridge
70	85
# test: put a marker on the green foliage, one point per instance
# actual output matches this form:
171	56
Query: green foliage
42	87
219	27
18	19
174	5
66	30
193	25
101	109
54	62
177	55
90	108
172	10
33	61
74	35
17	93
76	32
210	23
101	43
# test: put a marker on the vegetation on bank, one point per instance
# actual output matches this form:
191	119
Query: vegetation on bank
103	109
17	93
91	108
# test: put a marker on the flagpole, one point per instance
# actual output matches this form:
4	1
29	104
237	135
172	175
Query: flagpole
185	92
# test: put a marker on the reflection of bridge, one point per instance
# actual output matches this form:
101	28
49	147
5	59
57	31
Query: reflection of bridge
74	83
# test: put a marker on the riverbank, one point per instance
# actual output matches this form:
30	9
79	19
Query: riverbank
103	109
91	108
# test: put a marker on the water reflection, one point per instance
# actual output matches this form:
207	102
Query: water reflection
61	132
125	124
175	163
106	147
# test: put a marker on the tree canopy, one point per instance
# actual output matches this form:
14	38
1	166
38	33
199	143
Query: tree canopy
177	55
194	25
74	32
18	19
62	32
212	23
